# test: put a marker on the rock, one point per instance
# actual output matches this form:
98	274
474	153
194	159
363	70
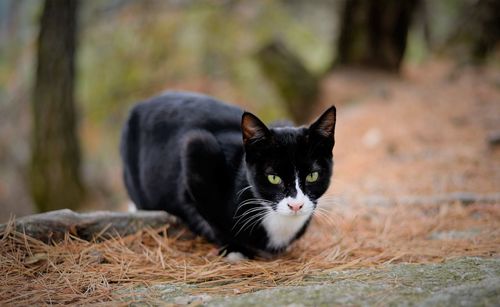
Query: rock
494	138
484	293
459	282
465	198
192	299
53	226
372	138
455	234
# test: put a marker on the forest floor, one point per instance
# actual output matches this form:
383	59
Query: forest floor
412	215
423	134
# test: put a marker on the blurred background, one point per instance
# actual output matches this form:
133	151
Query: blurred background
416	82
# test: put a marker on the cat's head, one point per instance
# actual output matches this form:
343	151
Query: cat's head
289	167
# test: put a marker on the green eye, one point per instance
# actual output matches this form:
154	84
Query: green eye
274	179
312	177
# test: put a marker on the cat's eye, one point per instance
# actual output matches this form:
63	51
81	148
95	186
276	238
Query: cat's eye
312	177
274	179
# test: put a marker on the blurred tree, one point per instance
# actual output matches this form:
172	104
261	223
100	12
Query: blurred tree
477	30
373	33
298	87
55	161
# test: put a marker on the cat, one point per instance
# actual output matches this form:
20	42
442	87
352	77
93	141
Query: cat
249	188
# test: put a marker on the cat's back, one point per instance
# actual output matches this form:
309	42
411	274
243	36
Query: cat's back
174	111
153	138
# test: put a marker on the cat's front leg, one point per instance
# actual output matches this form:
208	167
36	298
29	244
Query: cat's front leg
234	252
235	257
204	170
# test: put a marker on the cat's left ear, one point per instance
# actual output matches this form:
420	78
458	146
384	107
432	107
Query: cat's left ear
253	129
324	126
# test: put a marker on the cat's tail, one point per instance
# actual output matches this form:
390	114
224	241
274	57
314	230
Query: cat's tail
129	151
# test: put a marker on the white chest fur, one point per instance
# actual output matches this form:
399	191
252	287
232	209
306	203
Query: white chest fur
281	228
283	224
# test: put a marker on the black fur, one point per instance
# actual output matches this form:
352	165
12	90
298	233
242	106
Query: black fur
193	156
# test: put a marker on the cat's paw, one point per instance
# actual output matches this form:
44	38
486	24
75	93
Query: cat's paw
235	257
131	207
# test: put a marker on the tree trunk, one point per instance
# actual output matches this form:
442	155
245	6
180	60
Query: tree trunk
477	31
373	33
298	87
55	162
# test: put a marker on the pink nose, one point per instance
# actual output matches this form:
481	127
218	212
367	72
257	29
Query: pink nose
295	207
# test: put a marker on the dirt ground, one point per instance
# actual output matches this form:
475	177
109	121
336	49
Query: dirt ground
424	134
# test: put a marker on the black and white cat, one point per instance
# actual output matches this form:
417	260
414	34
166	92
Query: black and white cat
246	187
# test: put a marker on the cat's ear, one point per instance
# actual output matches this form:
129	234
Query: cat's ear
324	126
253	128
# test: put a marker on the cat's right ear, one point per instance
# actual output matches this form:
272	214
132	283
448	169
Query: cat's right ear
324	126
253	129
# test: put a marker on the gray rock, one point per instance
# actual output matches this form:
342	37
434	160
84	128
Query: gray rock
459	282
455	234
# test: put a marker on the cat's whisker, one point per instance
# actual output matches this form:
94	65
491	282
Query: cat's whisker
331	202
255	218
240	192
249	211
331	213
324	211
253	201
327	220
323	219
334	196
260	206
246	221
260	220
325	215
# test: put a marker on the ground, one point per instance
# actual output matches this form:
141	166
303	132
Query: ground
423	134
412	215
460	282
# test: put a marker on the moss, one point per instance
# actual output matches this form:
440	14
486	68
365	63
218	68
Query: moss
466	281
459	282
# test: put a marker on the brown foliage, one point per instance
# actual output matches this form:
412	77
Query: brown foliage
78	271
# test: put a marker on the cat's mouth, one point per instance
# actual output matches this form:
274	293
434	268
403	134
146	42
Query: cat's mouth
293	214
292	207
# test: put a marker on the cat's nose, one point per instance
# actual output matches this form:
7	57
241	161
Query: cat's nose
295	207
